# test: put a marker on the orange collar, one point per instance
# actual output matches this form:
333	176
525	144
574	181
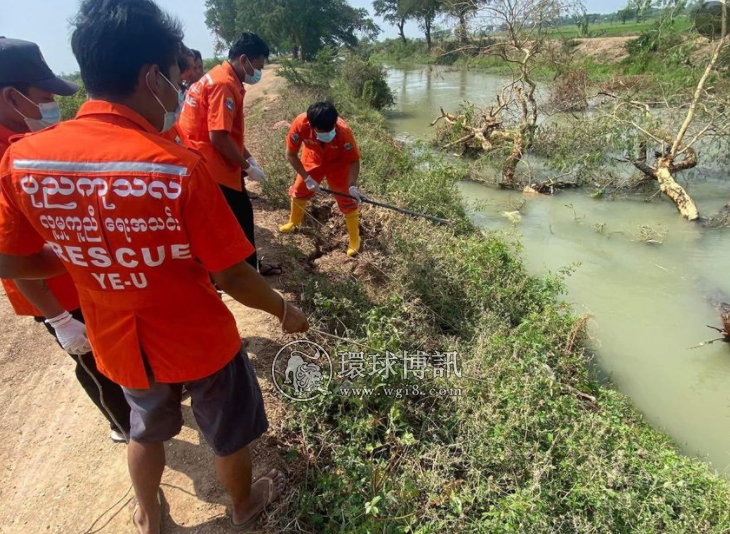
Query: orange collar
102	107
228	68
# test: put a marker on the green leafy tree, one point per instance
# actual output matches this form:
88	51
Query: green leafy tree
425	12
220	17
302	28
392	11
462	11
625	14
640	8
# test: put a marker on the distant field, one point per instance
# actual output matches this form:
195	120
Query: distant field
616	29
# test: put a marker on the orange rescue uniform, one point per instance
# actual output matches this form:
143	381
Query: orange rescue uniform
138	222
62	287
176	135
324	160
215	103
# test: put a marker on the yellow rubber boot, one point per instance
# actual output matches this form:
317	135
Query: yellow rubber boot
353	230
296	217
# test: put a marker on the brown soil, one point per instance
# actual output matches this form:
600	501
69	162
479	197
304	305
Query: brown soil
60	471
604	49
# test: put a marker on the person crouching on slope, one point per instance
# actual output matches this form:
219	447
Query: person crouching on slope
330	151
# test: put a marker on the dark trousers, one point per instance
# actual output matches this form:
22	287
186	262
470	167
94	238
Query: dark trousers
242	208
113	395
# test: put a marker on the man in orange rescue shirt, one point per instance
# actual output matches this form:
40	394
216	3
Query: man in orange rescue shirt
27	89
330	151
213	121
153	225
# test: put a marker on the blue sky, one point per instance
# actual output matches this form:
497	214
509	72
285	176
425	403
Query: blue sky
46	23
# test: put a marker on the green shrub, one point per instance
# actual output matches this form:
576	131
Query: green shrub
70	104
318	74
334	71
366	81
397	50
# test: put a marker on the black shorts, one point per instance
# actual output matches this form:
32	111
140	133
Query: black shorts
227	405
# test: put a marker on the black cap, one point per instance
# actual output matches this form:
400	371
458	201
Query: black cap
22	62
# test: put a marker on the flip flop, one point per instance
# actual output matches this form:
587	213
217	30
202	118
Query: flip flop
272	497
136	508
270	269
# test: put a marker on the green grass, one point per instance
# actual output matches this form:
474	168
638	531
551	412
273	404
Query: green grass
524	449
617	29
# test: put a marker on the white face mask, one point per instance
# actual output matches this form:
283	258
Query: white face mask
171	117
257	75
327	137
50	115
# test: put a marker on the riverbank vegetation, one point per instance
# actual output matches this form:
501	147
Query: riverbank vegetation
532	442
586	128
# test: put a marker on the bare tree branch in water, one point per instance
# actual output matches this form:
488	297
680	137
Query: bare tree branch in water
706	116
524	26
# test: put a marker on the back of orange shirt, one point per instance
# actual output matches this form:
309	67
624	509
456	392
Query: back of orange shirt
215	103
62	287
139	223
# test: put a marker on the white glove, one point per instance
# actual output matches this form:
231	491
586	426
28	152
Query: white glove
71	334
255	174
311	183
355	192
252	161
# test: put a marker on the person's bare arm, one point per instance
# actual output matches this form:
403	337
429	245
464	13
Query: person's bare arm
40	296
248	287
39	266
296	163
354	172
223	143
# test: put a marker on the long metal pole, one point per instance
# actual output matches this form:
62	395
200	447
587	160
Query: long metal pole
388	207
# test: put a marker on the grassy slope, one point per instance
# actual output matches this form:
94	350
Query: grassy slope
524	449
616	29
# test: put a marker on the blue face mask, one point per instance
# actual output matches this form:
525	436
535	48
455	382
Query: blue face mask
171	117
257	75
326	137
50	115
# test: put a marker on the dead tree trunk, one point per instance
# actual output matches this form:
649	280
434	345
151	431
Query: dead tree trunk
664	172
677	194
509	169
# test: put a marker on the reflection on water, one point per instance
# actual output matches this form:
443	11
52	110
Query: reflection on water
651	303
421	91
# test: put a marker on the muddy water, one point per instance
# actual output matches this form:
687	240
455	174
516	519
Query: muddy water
651	303
421	91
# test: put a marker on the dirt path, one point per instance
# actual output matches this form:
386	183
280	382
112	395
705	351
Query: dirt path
61	473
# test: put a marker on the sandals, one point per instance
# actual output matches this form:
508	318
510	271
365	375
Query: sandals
270	269
272	496
136	508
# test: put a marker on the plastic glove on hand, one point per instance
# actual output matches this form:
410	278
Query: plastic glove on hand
71	334
311	184
256	174
357	195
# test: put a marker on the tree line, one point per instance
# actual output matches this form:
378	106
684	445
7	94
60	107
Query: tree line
425	13
293	27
